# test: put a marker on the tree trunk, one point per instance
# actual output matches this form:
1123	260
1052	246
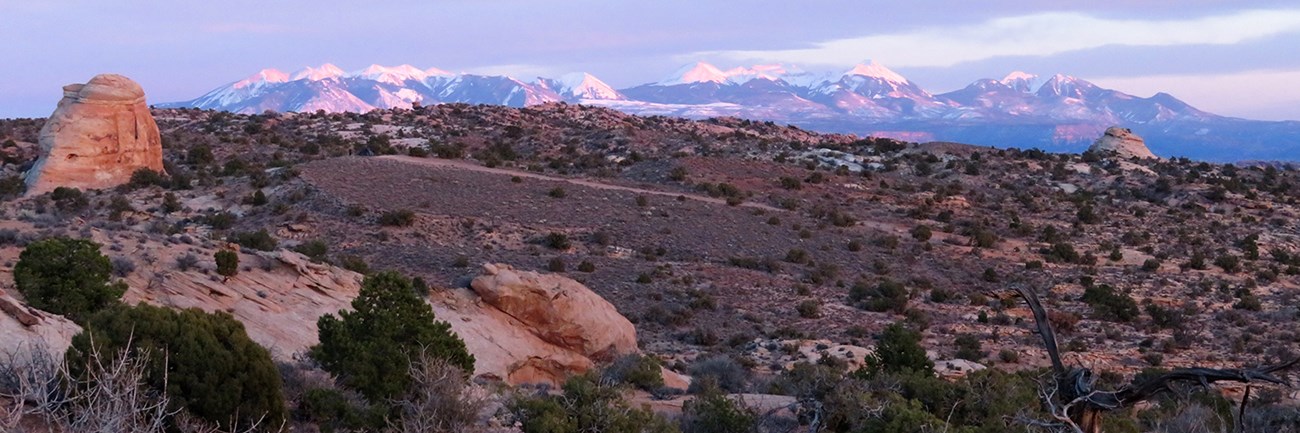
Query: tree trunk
1090	420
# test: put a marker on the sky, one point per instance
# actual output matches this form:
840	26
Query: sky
1235	58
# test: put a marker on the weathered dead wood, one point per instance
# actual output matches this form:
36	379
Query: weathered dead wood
1074	401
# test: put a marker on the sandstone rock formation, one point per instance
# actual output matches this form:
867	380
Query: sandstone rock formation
99	135
1122	142
24	329
558	310
535	329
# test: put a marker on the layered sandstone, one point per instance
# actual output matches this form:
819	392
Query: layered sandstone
100	133
558	310
1122	142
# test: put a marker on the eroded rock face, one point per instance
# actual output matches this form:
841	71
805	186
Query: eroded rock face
558	310
99	135
24	329
1122	142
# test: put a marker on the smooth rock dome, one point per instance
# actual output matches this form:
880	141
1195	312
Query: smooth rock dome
107	88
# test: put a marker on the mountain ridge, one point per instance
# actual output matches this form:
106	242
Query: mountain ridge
1061	112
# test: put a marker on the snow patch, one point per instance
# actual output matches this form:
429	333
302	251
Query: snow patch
699	72
324	72
876	70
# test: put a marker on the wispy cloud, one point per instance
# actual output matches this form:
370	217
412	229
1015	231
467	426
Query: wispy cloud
1038	34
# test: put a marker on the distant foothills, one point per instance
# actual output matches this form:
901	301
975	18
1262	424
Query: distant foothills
1058	113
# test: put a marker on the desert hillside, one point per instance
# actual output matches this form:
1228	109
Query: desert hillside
765	244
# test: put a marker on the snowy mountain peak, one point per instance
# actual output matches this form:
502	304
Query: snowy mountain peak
264	76
582	85
435	72
1065	85
1021	81
395	75
324	72
1018	76
699	72
875	70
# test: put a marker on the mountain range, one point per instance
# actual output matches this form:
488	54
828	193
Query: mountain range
1059	113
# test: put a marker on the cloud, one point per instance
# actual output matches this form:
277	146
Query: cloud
1035	35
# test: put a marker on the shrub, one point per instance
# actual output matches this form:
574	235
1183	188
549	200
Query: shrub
70	200
397	218
586	266
1110	304
712	411
1230	263
66	276
205	362
556	265
640	371
315	249
968	348
557	240
1151	265
258	198
888	295
187	262
227	262
922	233
898	350
722	370
333	409
809	309
258	240
354	263
122	267
439	399
557	192
368	348
677	174
586	405
147	177
1061	252
170	204
11	186
220	220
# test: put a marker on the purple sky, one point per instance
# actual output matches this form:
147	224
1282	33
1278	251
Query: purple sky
1237	58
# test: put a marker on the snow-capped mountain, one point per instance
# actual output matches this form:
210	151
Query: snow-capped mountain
580	86
1020	110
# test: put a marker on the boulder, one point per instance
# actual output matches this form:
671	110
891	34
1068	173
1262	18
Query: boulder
1122	142
99	135
558	310
24	329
